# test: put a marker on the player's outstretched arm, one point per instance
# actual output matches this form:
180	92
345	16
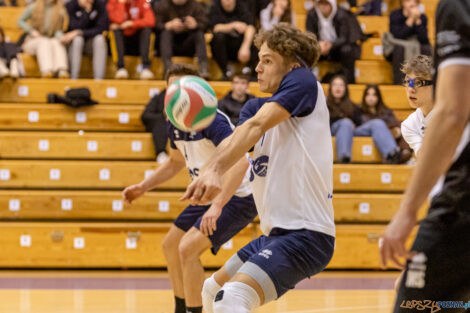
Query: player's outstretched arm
231	181
173	164
209	183
451	115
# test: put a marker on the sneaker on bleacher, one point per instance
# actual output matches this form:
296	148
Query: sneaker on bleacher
146	74
121	74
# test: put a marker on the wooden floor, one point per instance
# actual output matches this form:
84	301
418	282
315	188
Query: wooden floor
149	292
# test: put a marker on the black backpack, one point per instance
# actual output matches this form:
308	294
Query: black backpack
74	97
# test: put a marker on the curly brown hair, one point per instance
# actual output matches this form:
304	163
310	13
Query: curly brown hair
291	43
420	65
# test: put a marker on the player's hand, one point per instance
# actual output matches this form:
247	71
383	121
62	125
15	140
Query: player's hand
244	54
205	188
209	220
132	192
392	244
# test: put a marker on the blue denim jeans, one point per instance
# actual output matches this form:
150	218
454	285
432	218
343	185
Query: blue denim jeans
343	130
381	135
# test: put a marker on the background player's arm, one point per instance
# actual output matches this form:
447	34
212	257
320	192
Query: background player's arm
242	140
231	181
173	164
451	115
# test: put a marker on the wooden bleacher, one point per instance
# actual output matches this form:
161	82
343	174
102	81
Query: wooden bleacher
80	245
102	146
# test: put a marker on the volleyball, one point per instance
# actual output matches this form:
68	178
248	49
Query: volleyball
190	104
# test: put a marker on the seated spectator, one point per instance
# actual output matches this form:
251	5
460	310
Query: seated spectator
408	24
235	99
337	34
13	3
154	117
8	58
132	22
419	90
277	11
346	122
88	21
44	22
373	107
182	24
232	25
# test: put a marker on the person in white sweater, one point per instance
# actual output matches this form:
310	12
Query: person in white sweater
419	91
276	12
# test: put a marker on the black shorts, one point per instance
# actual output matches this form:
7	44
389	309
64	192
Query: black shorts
236	214
439	274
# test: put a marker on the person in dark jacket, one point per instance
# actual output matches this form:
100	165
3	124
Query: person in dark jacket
373	107
346	121
405	23
334	29
233	101
233	26
182	24
88	19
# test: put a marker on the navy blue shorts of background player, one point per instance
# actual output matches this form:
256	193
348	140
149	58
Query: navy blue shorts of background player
289	256
236	214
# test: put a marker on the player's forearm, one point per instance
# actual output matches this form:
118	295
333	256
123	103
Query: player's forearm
242	140
231	181
163	173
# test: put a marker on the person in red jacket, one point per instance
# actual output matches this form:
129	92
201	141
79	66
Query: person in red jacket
132	22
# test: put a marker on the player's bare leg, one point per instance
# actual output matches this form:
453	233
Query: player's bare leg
170	250
192	245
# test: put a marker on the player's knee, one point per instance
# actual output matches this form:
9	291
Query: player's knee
186	250
236	297
209	290
169	244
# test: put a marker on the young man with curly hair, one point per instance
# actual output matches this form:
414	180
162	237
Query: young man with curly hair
291	177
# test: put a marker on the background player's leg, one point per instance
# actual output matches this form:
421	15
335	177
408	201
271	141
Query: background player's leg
170	250
192	245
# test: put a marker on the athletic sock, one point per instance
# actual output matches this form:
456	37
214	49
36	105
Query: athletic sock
180	305
194	309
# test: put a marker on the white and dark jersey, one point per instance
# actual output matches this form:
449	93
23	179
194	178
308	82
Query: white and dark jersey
453	48
198	147
413	129
292	165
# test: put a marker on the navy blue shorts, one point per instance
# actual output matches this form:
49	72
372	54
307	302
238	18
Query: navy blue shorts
289	256
236	214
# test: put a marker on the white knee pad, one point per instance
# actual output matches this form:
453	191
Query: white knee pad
235	297
209	290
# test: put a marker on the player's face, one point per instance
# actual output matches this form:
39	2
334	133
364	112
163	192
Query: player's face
418	97
239	86
338	88
371	98
271	69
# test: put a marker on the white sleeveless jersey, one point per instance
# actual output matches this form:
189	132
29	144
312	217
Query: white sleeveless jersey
292	164
198	147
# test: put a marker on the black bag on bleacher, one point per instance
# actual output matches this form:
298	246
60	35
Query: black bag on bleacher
74	97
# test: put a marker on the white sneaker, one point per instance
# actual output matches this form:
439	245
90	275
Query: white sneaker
121	74
3	69
146	74
14	70
161	157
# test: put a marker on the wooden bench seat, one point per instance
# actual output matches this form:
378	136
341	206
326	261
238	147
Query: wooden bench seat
130	245
132	146
119	174
139	92
163	206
